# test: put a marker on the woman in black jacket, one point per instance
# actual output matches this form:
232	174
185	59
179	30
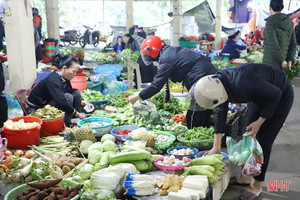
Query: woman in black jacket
180	65
57	90
270	95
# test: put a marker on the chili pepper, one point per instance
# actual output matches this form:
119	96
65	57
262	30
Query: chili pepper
125	95
123	132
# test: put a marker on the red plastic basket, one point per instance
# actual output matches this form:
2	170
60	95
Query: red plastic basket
20	139
169	169
51	128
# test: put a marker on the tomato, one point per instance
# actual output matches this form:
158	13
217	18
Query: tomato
123	132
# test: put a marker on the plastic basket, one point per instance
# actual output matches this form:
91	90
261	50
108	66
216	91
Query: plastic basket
176	133
98	130
20	139
90	64
199	144
102	102
120	128
52	127
169	169
79	82
200	154
181	156
187	44
232	129
13	194
109	69
165	145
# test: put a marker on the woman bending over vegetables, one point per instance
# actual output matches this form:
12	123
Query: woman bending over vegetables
57	90
271	97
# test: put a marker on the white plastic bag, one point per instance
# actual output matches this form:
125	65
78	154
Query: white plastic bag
252	166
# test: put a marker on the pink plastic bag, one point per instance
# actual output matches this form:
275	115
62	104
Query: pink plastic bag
252	166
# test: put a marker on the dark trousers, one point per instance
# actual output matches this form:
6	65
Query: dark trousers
198	118
74	99
3	110
271	127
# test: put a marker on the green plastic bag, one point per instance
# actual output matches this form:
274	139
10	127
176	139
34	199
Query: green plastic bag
239	152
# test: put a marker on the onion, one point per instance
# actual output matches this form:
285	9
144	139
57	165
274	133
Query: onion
29	154
8	153
19	153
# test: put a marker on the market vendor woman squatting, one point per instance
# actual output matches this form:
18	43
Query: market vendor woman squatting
56	90
180	64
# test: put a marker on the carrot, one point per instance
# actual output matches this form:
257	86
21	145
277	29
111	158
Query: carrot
5	168
44	184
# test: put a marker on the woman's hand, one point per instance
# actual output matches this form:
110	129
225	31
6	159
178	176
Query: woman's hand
284	64
133	99
85	103
214	150
290	65
254	127
80	115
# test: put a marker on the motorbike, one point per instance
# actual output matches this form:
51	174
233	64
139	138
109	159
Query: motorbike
70	37
89	37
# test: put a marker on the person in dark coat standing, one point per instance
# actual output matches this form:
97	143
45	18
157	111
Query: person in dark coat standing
270	96
142	33
147	72
3	102
180	64
120	45
279	38
231	47
131	43
56	90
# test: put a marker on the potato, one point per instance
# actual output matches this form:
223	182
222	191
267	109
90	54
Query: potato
78	161
66	169
71	165
58	163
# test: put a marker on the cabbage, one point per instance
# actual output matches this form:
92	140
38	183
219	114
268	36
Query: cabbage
92	194
108	137
115	169
127	168
94	156
84	146
77	179
105	180
86	171
96	146
109	145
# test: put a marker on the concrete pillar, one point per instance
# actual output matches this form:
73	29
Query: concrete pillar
129	14
19	37
177	21
218	27
52	19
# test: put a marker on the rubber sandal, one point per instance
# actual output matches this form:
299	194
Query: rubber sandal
248	196
233	181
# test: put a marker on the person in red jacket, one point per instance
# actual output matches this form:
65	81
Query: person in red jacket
250	39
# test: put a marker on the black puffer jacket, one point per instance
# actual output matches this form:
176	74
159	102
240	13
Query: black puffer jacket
251	82
179	64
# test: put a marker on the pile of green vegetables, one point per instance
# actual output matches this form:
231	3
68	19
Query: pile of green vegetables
124	116
198	133
174	106
102	58
160	120
92	95
290	74
119	100
129	54
210	166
